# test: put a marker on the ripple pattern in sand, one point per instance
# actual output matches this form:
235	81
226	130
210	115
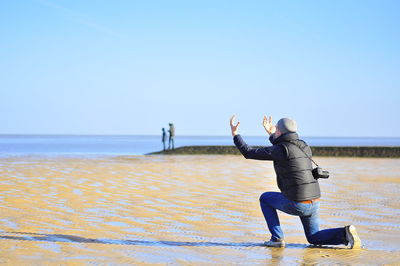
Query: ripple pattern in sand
183	210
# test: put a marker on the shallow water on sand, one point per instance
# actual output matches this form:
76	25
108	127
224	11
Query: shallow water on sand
184	210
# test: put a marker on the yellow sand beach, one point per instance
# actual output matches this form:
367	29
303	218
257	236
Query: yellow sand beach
184	210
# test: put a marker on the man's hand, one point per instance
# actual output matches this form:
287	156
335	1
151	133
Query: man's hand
233	127
268	126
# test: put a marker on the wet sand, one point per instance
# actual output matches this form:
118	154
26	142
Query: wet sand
185	210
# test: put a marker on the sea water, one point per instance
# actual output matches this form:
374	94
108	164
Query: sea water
138	145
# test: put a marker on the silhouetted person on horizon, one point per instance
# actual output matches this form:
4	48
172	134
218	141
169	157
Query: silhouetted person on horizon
164	138
171	136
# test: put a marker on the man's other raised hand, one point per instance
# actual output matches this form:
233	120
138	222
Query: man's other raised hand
234	128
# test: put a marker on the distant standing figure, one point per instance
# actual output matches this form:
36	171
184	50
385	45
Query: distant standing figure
164	137
171	136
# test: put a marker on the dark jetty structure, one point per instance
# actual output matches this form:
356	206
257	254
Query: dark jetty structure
327	151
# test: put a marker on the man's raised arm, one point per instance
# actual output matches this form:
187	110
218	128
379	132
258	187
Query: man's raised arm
276	152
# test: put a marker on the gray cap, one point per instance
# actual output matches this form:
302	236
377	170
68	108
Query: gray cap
286	125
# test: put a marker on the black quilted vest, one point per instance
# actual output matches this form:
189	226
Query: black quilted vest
294	176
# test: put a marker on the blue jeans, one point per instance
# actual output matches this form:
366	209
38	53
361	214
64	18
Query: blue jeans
308	213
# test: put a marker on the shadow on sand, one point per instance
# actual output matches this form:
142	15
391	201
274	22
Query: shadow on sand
24	236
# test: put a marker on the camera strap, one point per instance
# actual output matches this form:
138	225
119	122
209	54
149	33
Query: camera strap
303	152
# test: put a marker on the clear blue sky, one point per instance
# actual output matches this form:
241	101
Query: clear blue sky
130	67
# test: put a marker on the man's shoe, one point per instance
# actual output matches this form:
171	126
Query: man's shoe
352	236
275	243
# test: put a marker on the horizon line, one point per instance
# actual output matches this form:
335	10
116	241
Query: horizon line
157	135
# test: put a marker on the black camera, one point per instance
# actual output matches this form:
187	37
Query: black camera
319	173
